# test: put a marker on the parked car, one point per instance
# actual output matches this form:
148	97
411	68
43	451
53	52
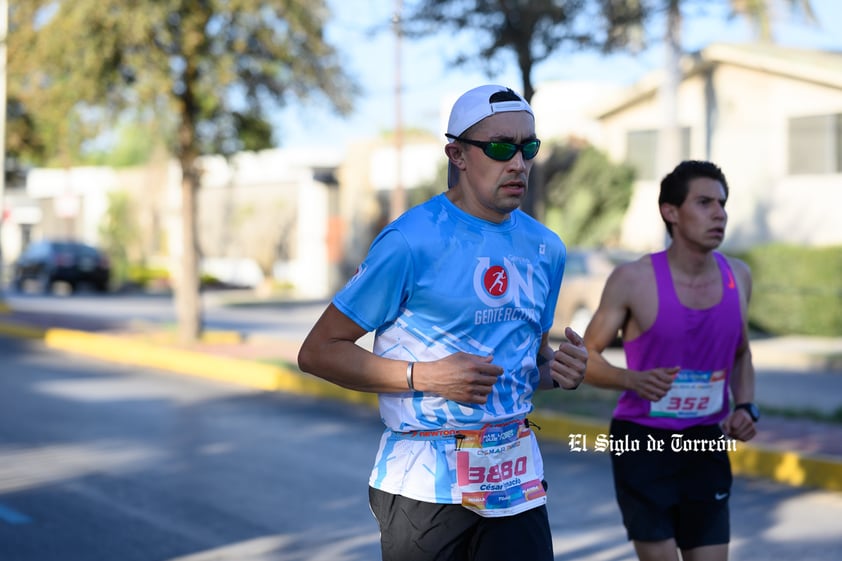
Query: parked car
45	263
585	273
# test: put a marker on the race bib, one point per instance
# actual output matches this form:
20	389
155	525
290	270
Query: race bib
496	470
694	393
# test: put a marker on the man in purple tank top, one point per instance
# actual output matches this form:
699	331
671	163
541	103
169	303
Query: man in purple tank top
682	314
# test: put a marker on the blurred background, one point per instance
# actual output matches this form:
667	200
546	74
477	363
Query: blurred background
189	146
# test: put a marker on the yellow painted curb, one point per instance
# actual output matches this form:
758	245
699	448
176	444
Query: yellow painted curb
22	331
211	337
789	468
222	337
124	350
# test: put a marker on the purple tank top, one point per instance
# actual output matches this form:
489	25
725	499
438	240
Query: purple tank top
702	342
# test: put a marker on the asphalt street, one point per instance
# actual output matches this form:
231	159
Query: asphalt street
103	462
792	373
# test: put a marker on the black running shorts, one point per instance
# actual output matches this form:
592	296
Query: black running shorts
673	494
412	530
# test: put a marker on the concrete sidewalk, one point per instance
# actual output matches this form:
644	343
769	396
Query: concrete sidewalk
798	452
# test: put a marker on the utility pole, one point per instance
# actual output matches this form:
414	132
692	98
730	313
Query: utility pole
4	32
669	143
398	200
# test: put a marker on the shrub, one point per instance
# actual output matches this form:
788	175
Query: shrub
587	195
796	290
155	278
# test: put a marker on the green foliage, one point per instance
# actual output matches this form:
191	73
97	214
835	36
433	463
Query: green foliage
134	146
120	234
761	14
151	278
214	72
157	279
587	195
796	290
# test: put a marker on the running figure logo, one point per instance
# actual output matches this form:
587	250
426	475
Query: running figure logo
501	285
496	281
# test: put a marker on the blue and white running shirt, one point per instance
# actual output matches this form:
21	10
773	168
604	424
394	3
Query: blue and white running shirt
439	281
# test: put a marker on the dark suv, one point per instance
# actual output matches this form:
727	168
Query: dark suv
47	262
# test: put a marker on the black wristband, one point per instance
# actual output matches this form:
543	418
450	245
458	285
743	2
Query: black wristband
750	408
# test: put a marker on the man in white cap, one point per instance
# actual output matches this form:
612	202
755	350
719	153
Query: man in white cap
460	292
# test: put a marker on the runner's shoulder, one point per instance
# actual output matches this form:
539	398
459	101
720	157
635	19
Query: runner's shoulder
632	273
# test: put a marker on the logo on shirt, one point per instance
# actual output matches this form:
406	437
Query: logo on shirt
499	285
496	281
731	283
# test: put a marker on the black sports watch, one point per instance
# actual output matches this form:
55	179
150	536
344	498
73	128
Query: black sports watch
752	410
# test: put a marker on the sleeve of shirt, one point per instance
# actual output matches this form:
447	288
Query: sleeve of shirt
557	274
377	292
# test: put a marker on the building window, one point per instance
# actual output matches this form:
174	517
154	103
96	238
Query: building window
815	144
642	151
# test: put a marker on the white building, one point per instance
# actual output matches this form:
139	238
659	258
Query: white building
769	116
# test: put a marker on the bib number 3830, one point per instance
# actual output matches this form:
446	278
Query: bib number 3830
499	480
490	474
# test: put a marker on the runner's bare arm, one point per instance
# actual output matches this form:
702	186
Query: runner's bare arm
742	376
330	351
602	329
739	424
614	313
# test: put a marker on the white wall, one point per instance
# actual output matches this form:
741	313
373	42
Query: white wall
418	165
568	108
309	272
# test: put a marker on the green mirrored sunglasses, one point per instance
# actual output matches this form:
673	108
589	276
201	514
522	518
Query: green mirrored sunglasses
502	151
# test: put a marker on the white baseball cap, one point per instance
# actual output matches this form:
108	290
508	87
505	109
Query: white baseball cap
475	105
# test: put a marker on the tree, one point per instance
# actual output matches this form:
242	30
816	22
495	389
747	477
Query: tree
208	71
760	14
587	194
531	31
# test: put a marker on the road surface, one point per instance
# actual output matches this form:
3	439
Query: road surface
104	462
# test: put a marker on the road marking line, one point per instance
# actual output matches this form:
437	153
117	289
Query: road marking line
12	516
